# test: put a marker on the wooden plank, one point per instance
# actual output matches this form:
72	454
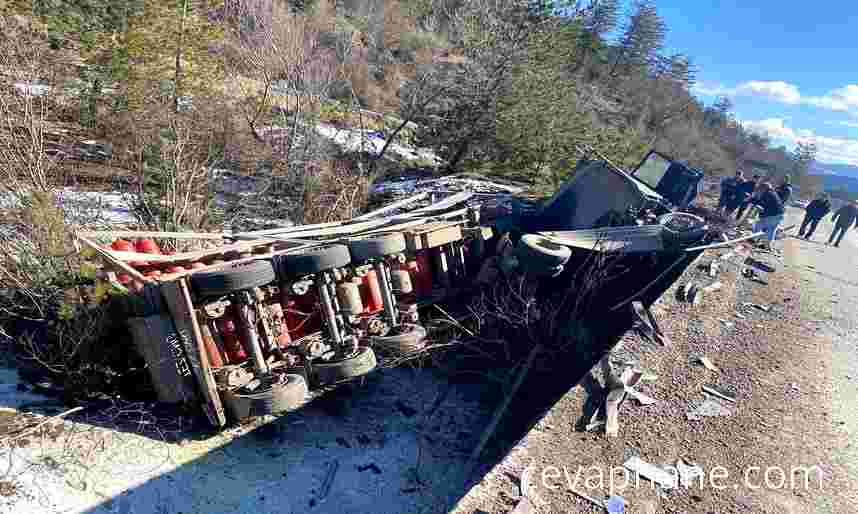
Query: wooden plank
112	260
432	235
154	235
178	298
393	206
246	246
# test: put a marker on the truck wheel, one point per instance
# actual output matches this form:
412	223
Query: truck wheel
375	247
357	365
286	395
683	228
234	277
313	260
411	339
538	253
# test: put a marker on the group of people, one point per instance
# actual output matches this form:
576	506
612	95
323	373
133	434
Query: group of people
844	218
738	194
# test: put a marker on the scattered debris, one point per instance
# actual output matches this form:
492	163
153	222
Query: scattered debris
616	505
594	501
650	472
706	362
713	268
641	398
710	407
719	393
370	467
333	467
688	472
794	387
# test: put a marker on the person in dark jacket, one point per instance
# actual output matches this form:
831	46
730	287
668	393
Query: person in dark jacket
772	212
844	218
728	190
744	192
785	190
814	212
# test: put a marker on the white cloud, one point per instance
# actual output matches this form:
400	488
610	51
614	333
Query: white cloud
830	149
843	99
850	124
705	89
775	90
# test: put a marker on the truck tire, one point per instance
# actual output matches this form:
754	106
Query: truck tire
412	339
376	247
536	252
354	366
313	260
285	396
234	277
683	228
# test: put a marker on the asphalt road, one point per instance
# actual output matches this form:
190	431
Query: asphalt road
830	294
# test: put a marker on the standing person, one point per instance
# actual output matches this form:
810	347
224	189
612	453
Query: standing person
728	190
844	218
814	212
772	212
746	191
785	190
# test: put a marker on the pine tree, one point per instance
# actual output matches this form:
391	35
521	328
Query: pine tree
642	39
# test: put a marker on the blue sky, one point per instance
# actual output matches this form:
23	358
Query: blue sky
791	69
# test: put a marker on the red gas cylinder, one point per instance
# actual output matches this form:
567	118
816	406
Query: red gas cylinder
423	278
231	341
121	245
277	318
370	292
147	246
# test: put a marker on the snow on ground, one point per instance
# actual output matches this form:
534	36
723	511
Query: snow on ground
372	142
386	447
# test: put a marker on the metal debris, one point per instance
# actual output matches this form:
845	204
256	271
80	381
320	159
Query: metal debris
706	362
650	472
719	393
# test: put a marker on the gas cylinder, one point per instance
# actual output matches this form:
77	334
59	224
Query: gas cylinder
348	293
424	273
277	319
370	292
231	341
121	245
147	246
401	281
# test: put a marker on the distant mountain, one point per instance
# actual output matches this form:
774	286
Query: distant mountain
843	170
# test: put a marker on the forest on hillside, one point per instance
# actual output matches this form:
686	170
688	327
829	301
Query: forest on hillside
174	88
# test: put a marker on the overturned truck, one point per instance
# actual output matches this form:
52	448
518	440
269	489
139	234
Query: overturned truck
257	323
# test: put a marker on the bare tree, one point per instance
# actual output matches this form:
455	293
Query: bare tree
30	150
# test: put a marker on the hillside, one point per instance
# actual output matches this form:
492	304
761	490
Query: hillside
310	102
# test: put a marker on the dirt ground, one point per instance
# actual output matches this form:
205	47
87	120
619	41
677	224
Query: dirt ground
792	371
